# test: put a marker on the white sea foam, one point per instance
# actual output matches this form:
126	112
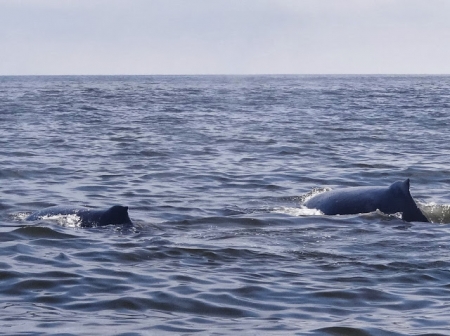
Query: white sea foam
437	213
301	211
71	220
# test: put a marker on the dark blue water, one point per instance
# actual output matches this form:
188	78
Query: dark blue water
214	170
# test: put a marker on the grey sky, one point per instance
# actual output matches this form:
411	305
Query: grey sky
224	37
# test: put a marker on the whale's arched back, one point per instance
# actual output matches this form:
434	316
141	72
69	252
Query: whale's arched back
354	200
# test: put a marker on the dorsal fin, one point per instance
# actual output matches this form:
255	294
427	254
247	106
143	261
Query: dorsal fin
116	214
401	185
405	185
118	208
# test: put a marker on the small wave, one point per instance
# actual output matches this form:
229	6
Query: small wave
312	193
71	220
302	211
436	213
342	330
67	220
38	232
19	216
12	174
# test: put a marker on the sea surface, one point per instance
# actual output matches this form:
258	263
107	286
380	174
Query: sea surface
214	170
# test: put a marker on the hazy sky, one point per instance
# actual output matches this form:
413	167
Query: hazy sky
56	37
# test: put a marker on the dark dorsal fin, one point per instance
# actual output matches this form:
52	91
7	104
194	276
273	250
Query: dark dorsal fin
405	184
117	214
401	185
118	209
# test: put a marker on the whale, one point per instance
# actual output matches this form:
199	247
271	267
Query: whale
355	200
86	217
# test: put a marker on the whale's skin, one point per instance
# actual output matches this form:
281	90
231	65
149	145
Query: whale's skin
116	214
354	200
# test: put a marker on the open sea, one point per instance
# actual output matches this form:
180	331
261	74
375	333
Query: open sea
214	170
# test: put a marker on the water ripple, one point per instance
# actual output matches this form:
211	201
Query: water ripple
214	170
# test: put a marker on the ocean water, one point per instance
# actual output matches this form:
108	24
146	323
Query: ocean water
214	170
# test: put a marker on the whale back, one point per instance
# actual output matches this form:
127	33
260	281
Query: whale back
354	200
348	201
117	215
